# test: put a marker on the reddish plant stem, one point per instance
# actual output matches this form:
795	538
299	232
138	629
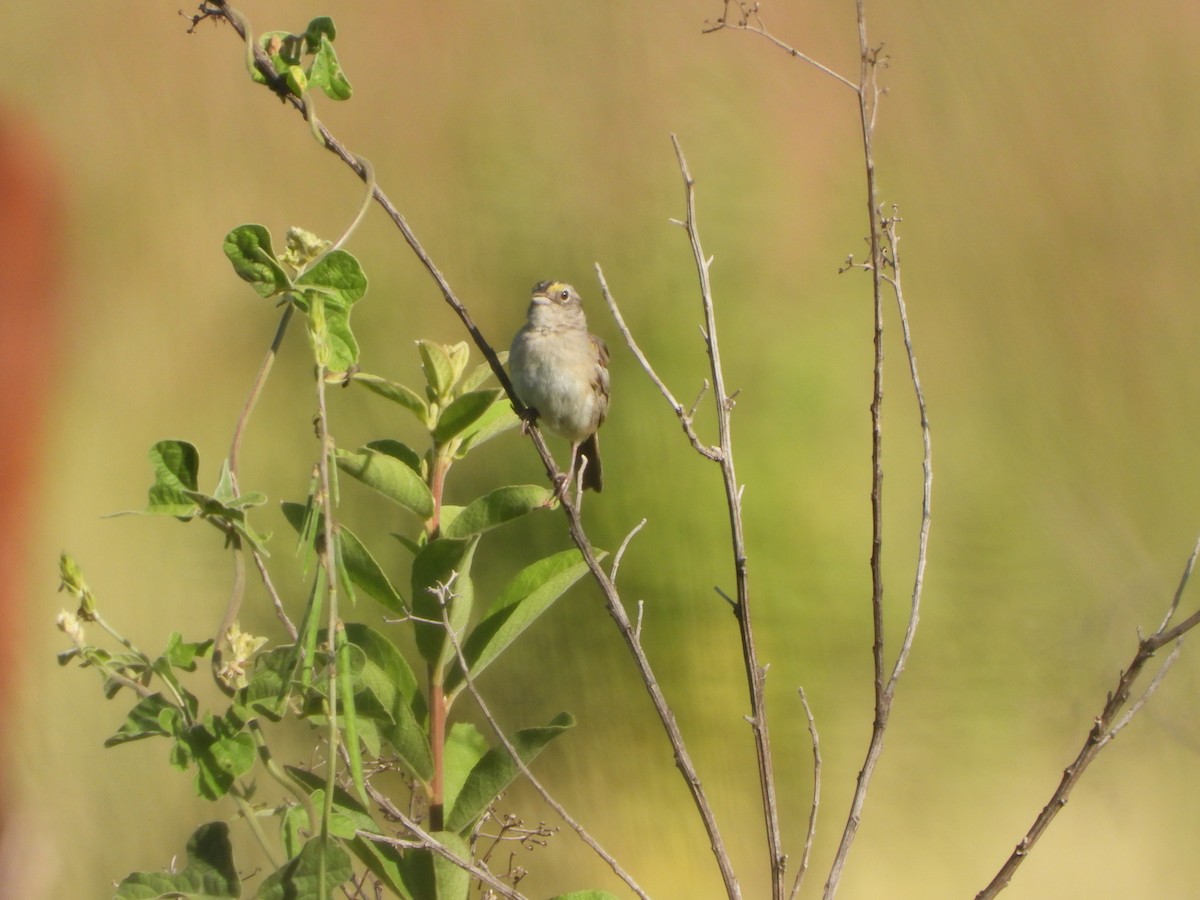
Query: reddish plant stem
437	746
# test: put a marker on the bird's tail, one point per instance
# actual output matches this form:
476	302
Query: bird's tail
589	452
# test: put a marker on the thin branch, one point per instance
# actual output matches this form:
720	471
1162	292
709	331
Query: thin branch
234	605
327	554
685	415
683	759
884	693
868	93
892	238
1151	688
616	564
426	841
276	600
1104	729
576	826
260	380
811	835
1178	596
749	19
755	674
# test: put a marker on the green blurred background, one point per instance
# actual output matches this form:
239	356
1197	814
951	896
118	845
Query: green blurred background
1044	159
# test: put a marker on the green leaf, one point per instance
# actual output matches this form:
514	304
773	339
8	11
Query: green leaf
249	250
356	560
349	717
342	346
445	561
224	494
497	507
320	27
432	877
174	492
413	547
387	680
293	825
222	752
527	596
176	464
367	574
465	747
291	49
349	815
327	292
390	477
481	373
305	519
386	673
496	419
153	716
183	654
397	450
462	413
271	682
297	79
496	771
459	355
397	393
301	878
438	367
210	873
338	277
326	72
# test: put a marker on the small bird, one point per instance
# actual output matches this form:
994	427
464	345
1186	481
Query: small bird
560	371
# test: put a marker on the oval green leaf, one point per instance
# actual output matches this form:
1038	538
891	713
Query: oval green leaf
497	507
248	248
533	591
463	412
389	477
497	770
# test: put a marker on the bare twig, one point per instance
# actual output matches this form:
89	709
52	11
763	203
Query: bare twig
749	19
1178	596
868	95
426	841
616	563
276	600
811	835
755	674
234	605
1105	727
892	238
882	231
1151	688
685	415
683	759
576	826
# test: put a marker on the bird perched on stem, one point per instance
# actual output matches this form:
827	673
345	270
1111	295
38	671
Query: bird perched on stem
560	372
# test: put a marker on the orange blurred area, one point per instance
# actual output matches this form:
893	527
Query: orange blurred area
1043	161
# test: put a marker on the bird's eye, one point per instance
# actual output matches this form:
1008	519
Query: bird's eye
564	294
